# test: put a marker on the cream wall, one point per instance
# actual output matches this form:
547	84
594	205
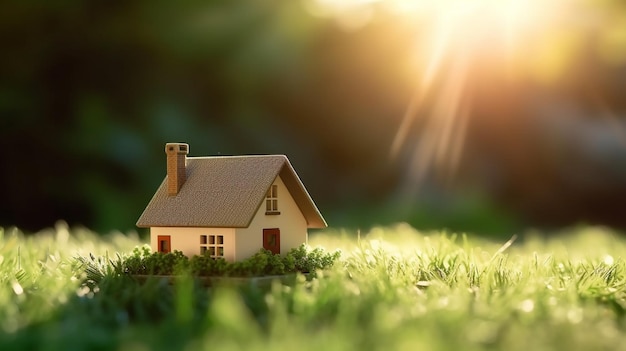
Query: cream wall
187	239
291	222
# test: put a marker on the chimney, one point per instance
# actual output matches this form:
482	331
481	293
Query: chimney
176	166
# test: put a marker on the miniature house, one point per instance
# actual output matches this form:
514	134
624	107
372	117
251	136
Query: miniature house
229	206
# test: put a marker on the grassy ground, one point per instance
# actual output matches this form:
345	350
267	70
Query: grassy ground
395	289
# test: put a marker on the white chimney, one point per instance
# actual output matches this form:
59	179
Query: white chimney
176	166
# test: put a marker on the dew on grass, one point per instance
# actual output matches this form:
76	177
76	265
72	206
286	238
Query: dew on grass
62	299
83	291
527	306
608	260
443	302
575	315
17	288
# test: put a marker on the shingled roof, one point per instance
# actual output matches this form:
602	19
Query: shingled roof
226	191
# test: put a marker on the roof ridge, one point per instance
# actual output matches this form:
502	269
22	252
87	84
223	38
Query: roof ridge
237	156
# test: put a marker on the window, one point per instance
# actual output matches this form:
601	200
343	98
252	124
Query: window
213	244
271	201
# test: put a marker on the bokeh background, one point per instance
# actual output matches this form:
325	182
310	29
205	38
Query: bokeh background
91	91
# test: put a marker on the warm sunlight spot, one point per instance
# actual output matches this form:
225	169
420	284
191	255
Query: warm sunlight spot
459	22
553	56
612	44
458	46
454	40
517	37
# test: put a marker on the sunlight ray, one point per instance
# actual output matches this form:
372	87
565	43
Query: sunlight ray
460	44
450	106
433	65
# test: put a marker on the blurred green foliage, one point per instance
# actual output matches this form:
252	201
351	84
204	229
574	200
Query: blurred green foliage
91	91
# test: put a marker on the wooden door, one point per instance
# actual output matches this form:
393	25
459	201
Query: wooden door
164	243
271	240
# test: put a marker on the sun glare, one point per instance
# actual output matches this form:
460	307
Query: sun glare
458	34
458	42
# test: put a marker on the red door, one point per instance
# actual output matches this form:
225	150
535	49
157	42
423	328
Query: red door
271	240
164	244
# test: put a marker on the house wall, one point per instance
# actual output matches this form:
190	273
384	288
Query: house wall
290	221
187	239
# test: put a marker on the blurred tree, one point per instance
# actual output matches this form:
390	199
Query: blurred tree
91	91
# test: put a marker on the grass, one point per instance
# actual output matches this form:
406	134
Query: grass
394	289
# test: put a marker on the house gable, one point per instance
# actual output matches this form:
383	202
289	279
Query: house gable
291	222
301	196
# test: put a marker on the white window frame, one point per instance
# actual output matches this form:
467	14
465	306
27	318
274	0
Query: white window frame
271	200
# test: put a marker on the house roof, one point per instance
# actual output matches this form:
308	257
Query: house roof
226	191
